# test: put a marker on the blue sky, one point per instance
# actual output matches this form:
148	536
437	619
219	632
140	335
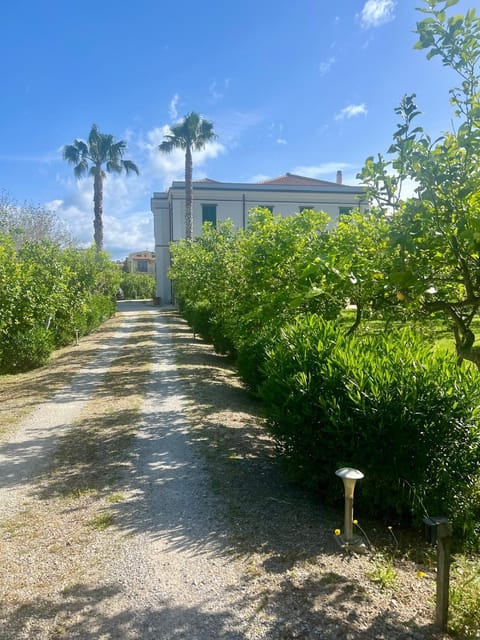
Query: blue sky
306	87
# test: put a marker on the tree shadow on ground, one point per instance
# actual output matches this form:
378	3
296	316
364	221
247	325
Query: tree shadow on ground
89	613
203	478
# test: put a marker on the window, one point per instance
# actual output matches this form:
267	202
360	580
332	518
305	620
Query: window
269	207
209	213
345	211
142	266
306	207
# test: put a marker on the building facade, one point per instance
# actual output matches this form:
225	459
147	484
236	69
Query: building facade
218	201
140	262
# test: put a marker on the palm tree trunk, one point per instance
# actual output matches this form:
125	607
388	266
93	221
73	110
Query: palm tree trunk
188	194
98	208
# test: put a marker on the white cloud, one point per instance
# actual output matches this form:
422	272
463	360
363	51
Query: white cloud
352	111
260	177
326	65
172	109
128	221
163	168
281	141
376	13
321	170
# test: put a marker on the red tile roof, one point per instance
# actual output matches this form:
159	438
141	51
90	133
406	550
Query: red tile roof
291	180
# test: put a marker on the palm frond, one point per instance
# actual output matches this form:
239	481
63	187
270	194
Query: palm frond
172	142
129	166
81	169
113	166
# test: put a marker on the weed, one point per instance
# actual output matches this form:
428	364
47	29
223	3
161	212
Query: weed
102	521
383	572
464	612
115	498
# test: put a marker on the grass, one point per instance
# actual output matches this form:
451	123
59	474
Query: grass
383	572
102	521
464	611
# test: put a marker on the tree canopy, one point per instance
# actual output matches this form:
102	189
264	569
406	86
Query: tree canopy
192	133
100	151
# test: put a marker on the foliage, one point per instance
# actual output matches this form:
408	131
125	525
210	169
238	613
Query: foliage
31	223
138	285
89	158
46	294
238	287
192	133
203	272
464	609
435	235
26	349
383	572
360	256
384	402
333	400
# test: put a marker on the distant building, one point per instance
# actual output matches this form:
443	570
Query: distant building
216	201
140	262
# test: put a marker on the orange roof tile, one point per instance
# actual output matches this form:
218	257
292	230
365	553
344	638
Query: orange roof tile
290	179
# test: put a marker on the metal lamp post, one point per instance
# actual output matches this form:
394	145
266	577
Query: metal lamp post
349	477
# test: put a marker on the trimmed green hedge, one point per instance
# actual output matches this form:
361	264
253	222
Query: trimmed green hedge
388	405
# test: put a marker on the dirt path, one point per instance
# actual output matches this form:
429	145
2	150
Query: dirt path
142	501
27	452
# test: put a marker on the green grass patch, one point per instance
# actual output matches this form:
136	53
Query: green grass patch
102	521
464	611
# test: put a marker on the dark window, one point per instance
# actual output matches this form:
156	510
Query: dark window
209	213
306	207
142	266
345	211
270	208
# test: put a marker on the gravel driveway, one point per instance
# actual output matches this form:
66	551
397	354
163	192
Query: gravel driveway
175	579
206	539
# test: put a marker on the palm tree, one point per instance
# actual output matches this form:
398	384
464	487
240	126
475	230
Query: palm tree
190	134
89	158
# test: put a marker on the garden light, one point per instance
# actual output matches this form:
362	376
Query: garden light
349	477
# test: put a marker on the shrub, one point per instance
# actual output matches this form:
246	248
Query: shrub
100	308
408	418
25	350
138	285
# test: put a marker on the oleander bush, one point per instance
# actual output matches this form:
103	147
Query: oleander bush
387	404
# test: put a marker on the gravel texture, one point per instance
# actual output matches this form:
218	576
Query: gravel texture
203	538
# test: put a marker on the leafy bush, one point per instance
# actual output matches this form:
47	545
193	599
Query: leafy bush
45	294
100	308
236	287
25	350
138	286
408	418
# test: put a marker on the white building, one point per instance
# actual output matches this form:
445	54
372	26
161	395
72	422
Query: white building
217	201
